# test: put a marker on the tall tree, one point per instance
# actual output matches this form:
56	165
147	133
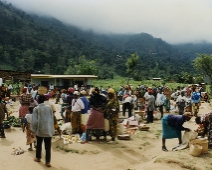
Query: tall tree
131	64
203	63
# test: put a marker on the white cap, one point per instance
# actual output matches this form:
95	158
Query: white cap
76	93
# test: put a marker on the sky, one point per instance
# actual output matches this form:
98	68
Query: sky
174	21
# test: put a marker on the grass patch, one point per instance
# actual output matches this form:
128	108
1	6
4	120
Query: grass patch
158	133
145	144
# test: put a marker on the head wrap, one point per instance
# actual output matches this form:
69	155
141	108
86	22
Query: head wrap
76	93
71	90
24	90
110	90
47	96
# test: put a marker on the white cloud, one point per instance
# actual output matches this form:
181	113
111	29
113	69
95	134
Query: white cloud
175	21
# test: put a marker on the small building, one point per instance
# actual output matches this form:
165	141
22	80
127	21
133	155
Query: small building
157	79
62	81
14	76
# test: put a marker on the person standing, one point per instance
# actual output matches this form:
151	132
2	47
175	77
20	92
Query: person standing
77	106
84	115
159	102
181	102
127	105
111	113
29	135
95	123
3	110
150	107
9	89
195	100
47	102
43	127
25	100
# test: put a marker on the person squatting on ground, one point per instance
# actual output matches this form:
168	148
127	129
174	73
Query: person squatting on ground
3	110
172	125
206	122
43	127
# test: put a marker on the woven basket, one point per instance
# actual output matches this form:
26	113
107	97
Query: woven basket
42	90
195	150
201	142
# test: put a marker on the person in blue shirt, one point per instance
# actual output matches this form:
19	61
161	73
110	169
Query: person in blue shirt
195	100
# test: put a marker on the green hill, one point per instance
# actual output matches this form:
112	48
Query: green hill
32	43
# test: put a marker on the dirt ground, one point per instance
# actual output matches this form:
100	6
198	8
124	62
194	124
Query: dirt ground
142	152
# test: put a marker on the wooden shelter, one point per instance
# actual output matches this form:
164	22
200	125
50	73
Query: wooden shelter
8	75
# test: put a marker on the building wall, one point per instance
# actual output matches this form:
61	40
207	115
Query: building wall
61	82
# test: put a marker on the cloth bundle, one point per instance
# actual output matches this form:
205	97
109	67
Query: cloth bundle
187	137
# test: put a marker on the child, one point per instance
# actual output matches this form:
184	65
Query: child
31	138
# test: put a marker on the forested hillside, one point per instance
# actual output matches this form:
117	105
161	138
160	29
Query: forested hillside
37	44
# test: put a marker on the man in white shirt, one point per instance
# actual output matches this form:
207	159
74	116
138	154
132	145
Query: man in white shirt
77	106
127	104
51	87
160	99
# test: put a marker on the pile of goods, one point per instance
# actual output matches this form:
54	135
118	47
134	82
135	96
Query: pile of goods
70	139
42	90
17	151
12	121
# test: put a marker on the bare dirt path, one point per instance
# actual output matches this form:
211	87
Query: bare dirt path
142	152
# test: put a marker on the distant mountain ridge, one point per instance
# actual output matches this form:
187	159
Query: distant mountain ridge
32	43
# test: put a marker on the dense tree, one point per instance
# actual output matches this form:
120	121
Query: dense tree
203	63
131	64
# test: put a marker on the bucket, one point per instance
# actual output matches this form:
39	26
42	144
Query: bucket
202	142
195	150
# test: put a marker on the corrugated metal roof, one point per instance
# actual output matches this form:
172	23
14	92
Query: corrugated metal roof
61	76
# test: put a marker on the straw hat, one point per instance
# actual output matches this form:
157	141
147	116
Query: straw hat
83	92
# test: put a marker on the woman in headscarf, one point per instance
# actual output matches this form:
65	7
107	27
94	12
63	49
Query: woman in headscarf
172	125
25	100
181	102
111	113
77	106
69	99
95	123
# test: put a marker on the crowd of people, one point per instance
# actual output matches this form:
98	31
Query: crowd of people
95	112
